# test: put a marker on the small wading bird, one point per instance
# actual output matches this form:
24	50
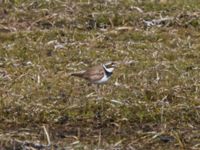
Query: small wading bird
97	74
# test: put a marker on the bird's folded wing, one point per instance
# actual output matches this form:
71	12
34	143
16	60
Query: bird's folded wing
94	74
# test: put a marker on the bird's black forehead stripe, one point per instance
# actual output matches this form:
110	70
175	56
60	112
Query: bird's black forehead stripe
109	65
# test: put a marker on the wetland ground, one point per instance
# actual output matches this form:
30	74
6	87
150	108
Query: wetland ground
152	101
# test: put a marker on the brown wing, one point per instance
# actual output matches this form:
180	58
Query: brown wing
93	74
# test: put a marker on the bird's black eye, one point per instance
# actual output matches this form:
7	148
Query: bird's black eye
110	65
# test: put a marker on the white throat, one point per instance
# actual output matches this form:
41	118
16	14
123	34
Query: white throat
107	75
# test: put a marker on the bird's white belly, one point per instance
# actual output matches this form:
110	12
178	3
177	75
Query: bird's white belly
103	80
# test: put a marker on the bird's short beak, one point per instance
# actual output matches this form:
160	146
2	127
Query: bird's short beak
115	64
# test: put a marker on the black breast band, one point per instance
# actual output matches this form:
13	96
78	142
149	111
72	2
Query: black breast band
108	74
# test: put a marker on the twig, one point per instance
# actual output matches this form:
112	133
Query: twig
47	135
99	141
139	9
124	28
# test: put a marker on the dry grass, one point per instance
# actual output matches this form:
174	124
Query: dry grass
152	100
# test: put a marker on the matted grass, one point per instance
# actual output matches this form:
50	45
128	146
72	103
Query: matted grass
152	100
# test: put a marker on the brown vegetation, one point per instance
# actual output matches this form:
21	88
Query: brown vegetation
152	100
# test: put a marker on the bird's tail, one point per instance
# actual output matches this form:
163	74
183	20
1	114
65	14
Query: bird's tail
78	74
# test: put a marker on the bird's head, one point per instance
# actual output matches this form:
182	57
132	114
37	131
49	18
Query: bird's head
109	67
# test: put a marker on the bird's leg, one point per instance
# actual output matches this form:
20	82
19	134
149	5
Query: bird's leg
97	90
100	104
103	89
